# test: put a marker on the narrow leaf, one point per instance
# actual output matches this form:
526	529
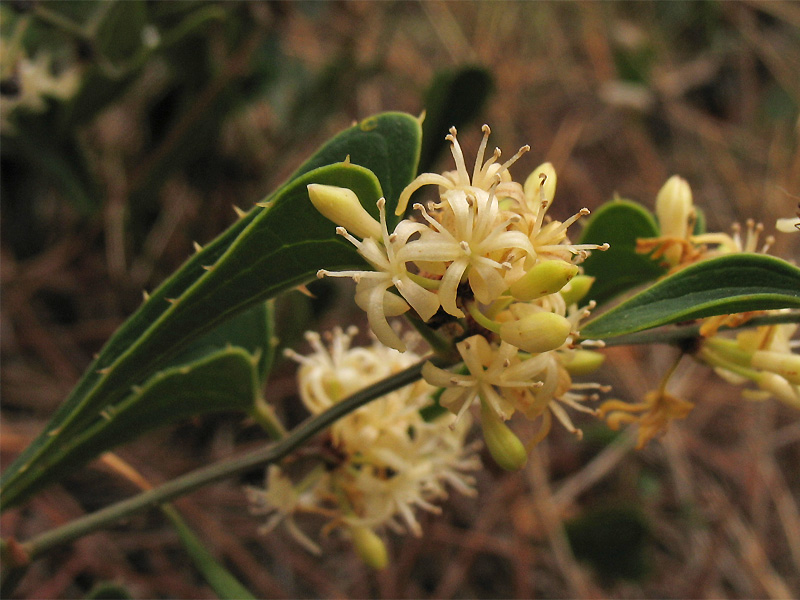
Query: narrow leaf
718	286
218	577
224	380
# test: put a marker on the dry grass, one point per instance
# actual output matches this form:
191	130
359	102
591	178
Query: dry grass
618	96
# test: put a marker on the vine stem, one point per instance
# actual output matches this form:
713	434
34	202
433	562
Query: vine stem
218	471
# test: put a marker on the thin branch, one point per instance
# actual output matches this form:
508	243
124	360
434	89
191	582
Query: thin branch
216	472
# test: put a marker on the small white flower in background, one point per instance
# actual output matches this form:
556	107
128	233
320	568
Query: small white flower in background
388	460
790	225
34	79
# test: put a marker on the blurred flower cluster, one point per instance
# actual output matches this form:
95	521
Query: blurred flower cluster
383	461
27	82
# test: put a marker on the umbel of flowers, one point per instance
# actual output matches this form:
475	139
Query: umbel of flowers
382	462
485	258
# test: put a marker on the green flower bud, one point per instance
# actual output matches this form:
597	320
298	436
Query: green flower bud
674	207
370	547
504	446
584	362
577	289
541	185
780	388
341	206
545	278
537	332
783	363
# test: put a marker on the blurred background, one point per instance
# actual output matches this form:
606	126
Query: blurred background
130	129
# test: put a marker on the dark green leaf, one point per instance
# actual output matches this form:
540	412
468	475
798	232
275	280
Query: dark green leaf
718	286
268	251
454	99
223	380
250	330
119	35
109	591
619	223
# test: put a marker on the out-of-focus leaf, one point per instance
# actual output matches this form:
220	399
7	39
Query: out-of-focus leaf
718	286
619	223
226	586
613	540
109	591
454	99
119	35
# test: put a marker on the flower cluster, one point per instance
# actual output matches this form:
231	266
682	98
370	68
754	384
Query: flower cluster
486	256
679	245
28	81
384	460
762	355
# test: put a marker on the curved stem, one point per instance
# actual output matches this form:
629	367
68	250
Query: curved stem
216	472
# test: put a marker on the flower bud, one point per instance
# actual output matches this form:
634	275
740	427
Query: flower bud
504	446
780	388
545	278
370	547
341	206
674	207
537	332
540	186
584	362
576	289
784	364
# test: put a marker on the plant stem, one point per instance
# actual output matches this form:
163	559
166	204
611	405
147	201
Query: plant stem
204	476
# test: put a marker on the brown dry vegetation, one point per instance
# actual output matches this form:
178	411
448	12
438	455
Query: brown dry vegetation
618	96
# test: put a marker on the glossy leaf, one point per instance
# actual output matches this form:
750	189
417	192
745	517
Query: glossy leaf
619	223
718	286
250	330
223	380
274	247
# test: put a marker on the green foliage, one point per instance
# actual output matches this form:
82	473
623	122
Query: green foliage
453	99
613	540
223	380
109	591
619	223
277	245
224	584
718	286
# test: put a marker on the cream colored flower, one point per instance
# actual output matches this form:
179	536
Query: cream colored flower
390	270
763	356
470	246
281	499
388	462
494	373
34	79
485	175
